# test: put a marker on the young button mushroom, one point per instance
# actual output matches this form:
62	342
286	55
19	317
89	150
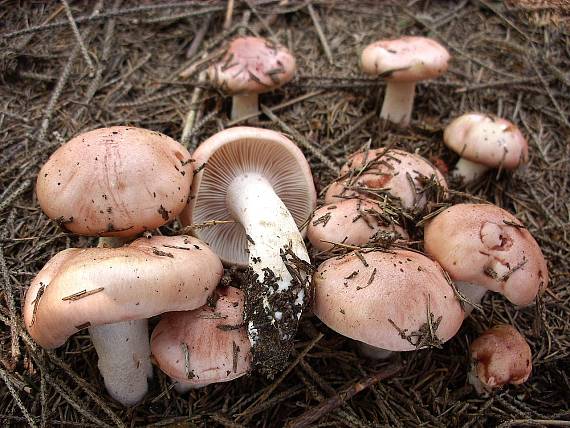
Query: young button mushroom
110	290
401	174
251	66
484	141
484	247
499	356
395	301
260	179
403	62
204	346
352	222
115	182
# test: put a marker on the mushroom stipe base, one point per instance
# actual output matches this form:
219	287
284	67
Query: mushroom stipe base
272	316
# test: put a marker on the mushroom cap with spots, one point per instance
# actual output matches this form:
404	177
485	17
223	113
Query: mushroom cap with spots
235	152
206	345
487	140
485	245
386	169
499	356
395	292
116	181
79	288
407	59
252	65
352	222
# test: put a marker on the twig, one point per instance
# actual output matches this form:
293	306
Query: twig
16	398
342	397
193	112
300	139
199	37
320	33
10	302
78	37
23	187
229	15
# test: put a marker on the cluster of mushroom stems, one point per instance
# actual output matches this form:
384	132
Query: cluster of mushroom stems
116	183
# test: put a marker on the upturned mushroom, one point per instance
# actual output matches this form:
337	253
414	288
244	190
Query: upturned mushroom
484	247
388	301
484	141
259	179
115	182
251	66
499	356
204	346
403	62
113	291
395	172
352	222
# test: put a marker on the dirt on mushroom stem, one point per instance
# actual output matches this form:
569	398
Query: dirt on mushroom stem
272	316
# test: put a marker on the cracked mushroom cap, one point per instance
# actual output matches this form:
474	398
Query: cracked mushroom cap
252	65
407	59
79	288
229	154
206	345
487	140
499	356
352	222
116	181
358	301
486	245
389	170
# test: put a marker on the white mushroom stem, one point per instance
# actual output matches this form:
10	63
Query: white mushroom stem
373	352
124	351
398	102
245	105
470	171
124	359
472	292
270	228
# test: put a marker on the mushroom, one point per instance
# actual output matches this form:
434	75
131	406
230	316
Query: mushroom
113	291
484	247
390	301
352	222
398	173
204	346
262	181
499	356
403	62
484	141
251	66
115	182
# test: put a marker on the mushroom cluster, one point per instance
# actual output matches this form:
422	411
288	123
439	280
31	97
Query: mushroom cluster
256	188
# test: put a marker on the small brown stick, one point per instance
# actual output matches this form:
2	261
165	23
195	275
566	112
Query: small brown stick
81	294
342	397
78	37
229	15
320	33
199	38
10	302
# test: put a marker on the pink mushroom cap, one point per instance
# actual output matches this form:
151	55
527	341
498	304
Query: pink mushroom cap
206	345
499	356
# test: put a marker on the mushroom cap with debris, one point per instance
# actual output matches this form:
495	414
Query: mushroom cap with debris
487	140
407	59
206	345
116	181
398	301
485	245
252	65
79	288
